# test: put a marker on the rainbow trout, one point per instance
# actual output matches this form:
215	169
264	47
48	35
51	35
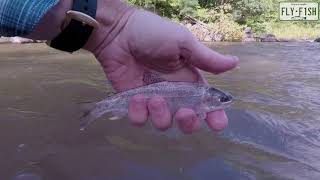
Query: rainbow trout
199	97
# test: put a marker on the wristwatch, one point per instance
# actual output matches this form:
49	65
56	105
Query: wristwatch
77	27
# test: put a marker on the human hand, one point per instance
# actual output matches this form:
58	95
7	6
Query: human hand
150	49
136	48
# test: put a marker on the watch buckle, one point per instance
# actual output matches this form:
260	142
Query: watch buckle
82	17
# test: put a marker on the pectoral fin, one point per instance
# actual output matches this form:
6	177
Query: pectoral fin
114	118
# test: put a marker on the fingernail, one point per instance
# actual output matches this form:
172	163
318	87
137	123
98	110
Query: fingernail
236	58
233	58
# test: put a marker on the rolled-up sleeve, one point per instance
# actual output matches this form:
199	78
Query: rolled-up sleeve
20	17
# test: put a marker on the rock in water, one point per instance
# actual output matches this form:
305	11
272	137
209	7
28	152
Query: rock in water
268	38
317	40
20	40
248	35
4	40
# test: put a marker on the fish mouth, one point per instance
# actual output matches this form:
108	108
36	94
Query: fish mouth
226	105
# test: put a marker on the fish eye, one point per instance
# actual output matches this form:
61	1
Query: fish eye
225	99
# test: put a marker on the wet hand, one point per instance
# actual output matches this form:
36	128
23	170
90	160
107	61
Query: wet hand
149	49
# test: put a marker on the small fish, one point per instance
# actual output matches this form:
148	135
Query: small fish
199	97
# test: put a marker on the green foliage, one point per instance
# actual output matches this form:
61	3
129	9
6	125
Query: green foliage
290	30
188	7
225	25
165	8
249	8
227	17
202	14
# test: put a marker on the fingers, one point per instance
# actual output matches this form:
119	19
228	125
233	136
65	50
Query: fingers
159	113
187	120
211	61
138	112
161	118
140	109
217	120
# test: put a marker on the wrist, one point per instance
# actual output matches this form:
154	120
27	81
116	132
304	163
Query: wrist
112	16
50	24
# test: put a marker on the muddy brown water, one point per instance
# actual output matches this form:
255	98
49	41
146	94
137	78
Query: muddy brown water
274	130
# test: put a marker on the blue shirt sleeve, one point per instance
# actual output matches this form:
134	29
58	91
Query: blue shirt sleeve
20	17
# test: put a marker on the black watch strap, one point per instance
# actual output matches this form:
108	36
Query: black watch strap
76	33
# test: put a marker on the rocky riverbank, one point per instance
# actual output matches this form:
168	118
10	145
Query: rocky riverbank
203	33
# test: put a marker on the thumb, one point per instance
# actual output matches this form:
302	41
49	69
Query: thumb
211	61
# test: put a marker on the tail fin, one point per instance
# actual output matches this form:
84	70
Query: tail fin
88	116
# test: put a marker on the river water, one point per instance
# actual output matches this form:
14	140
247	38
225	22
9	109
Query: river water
274	130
